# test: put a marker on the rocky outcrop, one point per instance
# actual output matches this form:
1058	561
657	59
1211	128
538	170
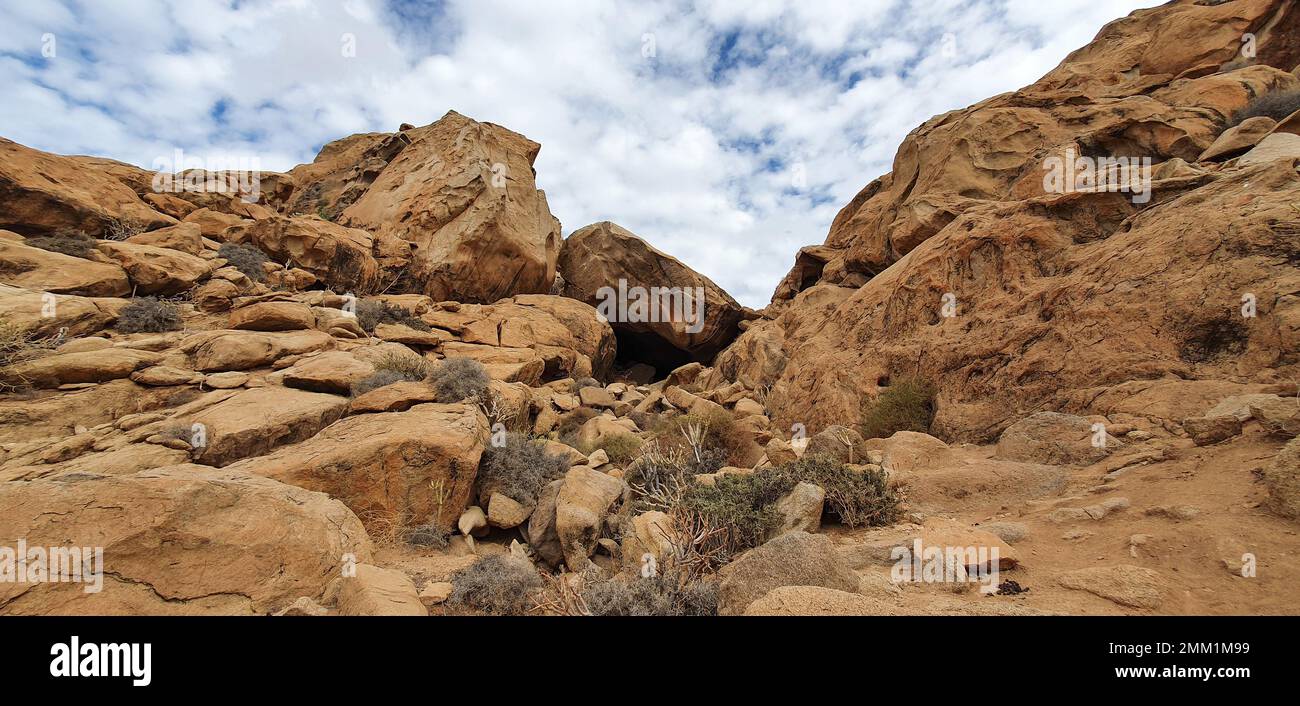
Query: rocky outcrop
793	559
44	194
340	257
960	267
453	207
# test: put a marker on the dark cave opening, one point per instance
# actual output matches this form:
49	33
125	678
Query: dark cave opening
640	347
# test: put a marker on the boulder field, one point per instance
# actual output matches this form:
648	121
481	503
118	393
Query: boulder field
386	384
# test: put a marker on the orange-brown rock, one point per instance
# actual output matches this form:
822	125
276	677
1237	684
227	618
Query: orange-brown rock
603	255
254	422
181	540
959	269
42	193
463	193
157	270
338	256
24	266
409	468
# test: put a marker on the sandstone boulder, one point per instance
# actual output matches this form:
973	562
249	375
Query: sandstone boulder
792	559
155	270
45	193
1054	438
340	257
243	350
33	268
185	237
74	368
29	310
183	540
334	372
254	422
1282	478
584	500
273	316
603	254
463	193
1124	584
375	591
414	467
1238	139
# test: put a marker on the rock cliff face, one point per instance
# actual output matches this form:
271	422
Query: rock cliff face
962	268
366	391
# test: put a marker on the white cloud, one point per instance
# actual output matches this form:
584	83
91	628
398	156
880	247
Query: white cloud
733	144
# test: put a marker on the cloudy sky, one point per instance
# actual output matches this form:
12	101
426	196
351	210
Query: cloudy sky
726	133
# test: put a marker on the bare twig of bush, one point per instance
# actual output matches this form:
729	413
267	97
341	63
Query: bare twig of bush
121	229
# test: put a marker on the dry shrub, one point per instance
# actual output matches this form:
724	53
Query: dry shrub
855	496
68	242
709	441
498	584
1276	105
148	315
459	379
566	429
373	312
651	596
376	380
680	585
409	365
741	505
245	258
16	345
121	229
518	469
621	448
428	535
907	405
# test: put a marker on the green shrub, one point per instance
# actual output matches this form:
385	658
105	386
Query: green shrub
409	365
652	596
710	441
907	405
742	504
148	315
498	584
373	312
518	469
457	379
856	497
621	448
68	242
245	258
1276	105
